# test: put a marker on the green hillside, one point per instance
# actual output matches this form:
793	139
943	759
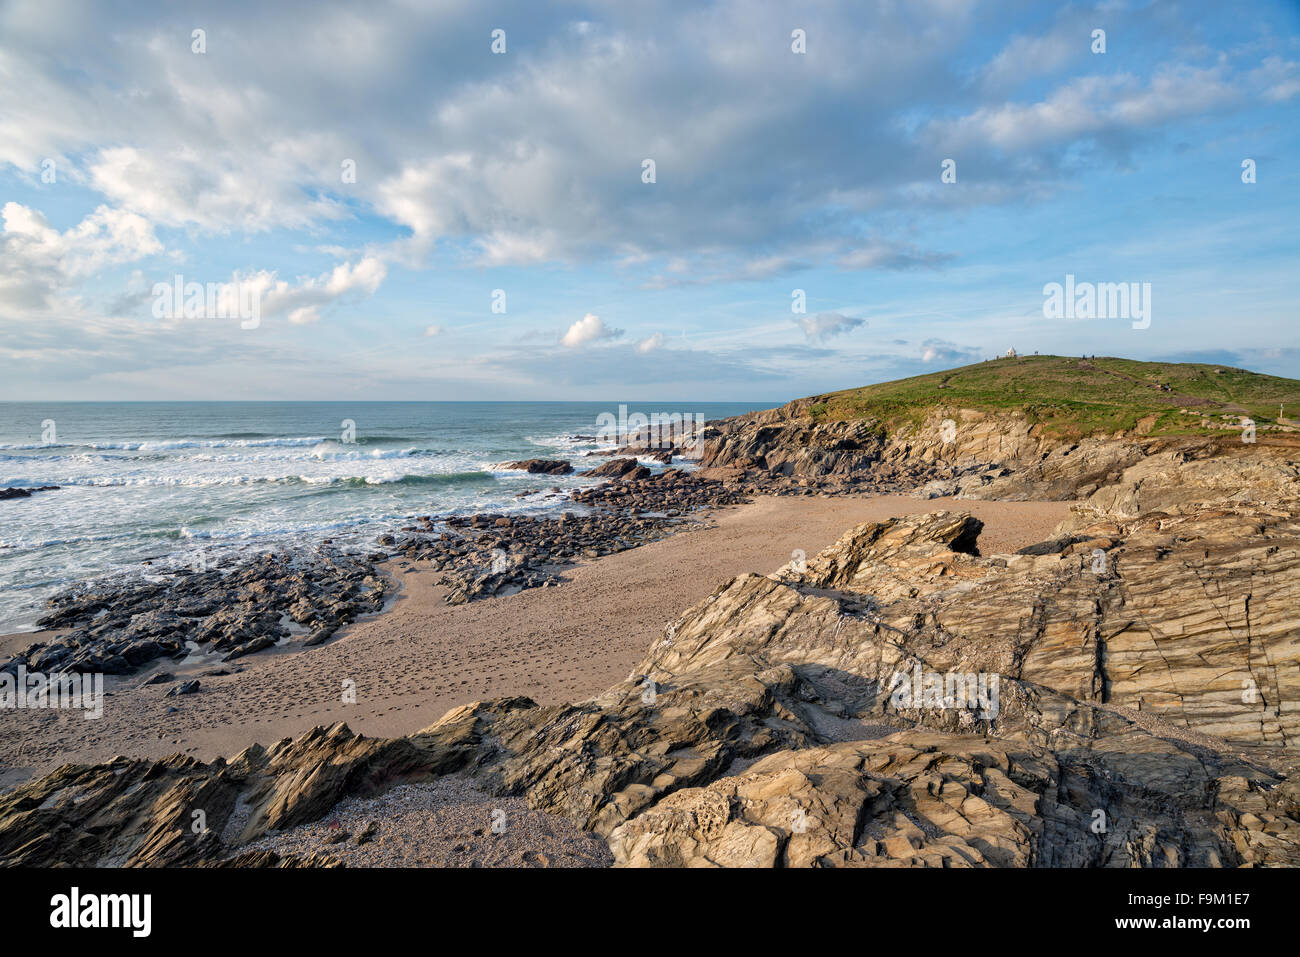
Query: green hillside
1072	397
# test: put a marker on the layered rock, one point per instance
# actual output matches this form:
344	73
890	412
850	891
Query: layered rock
182	811
117	626
621	468
967	453
1122	695
540	466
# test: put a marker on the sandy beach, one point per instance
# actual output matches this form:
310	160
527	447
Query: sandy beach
422	657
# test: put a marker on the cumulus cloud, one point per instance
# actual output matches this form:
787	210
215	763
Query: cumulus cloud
529	158
433	330
214	190
41	263
1027	56
651	343
300	301
1278	78
768	163
1090	106
519	159
590	328
827	325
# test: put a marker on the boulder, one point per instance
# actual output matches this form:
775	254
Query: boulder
540	466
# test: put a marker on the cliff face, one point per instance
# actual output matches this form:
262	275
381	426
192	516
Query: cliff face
976	446
1061	424
1121	695
966	453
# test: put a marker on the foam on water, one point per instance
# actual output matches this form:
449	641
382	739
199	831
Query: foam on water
154	481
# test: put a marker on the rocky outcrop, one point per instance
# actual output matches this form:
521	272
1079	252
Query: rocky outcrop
621	468
16	492
672	491
978	447
1122	695
490	554
790	445
965	453
118	626
540	466
182	811
1198	475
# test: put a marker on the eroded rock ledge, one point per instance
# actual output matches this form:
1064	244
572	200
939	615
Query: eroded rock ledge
1146	713
963	452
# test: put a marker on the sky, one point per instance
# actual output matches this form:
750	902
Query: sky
633	201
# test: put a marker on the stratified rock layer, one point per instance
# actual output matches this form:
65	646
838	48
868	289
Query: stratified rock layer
1123	695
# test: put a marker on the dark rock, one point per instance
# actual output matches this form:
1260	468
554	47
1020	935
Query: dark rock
24	492
249	647
617	468
188	687
540	466
119	625
319	635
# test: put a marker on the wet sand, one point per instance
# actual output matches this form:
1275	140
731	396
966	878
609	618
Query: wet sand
423	657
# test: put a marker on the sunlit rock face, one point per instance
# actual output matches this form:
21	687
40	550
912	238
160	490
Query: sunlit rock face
1121	695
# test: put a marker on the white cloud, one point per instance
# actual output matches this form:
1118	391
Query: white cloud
41	263
105	237
590	328
531	158
883	255
826	325
1279	79
433	330
1026	56
948	353
1088	106
301	301
768	163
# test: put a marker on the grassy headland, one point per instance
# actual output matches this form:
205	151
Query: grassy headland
1072	397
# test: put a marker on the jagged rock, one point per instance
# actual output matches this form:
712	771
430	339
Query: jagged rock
185	687
540	466
1129	704
623	468
132	813
319	635
15	492
249	647
272	859
913	799
118	626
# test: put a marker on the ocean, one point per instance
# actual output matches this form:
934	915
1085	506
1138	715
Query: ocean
173	483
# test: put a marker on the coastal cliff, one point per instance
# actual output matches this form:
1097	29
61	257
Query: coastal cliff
1036	427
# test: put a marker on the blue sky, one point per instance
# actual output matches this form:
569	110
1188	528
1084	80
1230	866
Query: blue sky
522	171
